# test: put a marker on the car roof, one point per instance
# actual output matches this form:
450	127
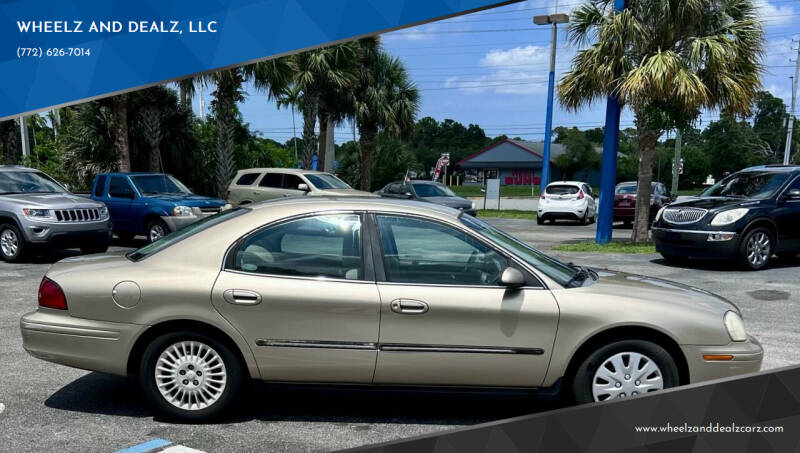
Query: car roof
327	203
16	168
774	168
296	171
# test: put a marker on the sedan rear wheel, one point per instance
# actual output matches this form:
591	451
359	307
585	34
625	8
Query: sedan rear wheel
190	376
624	369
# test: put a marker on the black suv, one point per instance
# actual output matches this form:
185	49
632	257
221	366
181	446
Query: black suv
748	216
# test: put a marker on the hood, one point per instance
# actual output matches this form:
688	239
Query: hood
64	200
346	193
190	199
713	203
451	202
91	263
653	290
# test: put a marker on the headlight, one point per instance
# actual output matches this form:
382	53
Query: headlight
182	211
658	214
728	217
36	213
102	211
735	326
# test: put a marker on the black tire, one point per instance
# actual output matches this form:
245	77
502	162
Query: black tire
155	226
539	221
762	252
585	219
94	248
582	381
228	396
12	243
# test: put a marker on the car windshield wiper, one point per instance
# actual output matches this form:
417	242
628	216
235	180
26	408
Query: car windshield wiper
581	275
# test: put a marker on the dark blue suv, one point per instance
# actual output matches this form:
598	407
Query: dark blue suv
748	216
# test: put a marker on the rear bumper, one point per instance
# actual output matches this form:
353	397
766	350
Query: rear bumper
55	336
747	358
694	244
551	210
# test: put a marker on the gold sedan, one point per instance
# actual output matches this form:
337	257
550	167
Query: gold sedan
373	291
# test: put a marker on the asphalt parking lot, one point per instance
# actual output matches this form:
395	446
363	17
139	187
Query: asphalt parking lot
48	407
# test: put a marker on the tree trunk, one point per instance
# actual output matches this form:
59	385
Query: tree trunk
10	142
121	133
647	147
323	140
225	132
309	139
150	120
366	142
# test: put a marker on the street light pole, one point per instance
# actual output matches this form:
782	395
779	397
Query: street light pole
553	19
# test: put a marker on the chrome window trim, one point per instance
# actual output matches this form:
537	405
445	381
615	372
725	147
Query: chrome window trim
453	285
298	277
396	347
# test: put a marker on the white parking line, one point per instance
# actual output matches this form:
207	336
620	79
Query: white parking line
180	449
2	407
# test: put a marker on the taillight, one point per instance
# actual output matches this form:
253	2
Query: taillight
51	295
580	195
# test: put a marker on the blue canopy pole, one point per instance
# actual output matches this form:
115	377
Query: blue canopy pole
548	126
608	175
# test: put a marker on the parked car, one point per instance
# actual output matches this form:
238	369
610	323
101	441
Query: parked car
747	216
257	184
625	201
39	214
150	204
373	291
571	200
430	191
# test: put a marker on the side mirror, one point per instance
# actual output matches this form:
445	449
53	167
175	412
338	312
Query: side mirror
512	278
303	187
793	194
409	194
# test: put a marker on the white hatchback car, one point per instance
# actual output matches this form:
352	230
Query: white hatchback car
571	200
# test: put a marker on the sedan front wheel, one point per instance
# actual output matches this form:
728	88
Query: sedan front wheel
624	369
190	376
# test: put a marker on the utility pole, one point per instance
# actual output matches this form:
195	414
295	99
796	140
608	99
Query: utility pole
676	164
23	129
792	116
553	19
608	172
200	100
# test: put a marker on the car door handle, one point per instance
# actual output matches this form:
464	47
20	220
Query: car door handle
409	306
241	297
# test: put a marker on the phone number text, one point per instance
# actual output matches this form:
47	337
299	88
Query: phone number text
38	52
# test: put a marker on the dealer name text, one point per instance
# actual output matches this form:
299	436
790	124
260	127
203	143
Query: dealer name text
116	26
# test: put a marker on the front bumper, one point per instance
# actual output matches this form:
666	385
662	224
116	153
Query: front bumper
695	243
65	234
55	336
747	358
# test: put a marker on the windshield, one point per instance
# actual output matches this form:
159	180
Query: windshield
752	184
154	184
561	190
13	182
183	233
562	273
327	181
433	190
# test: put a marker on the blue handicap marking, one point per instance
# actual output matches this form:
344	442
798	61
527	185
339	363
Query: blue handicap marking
145	446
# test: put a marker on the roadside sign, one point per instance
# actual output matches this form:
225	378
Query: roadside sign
492	192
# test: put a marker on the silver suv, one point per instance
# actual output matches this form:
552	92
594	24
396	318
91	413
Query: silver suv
37	213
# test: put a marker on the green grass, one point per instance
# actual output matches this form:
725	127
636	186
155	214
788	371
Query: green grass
505	191
507	214
611	247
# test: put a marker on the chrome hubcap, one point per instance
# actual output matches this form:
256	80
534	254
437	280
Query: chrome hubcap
9	243
156	233
624	375
190	375
758	249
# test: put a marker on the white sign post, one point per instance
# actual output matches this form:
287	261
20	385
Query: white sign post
492	192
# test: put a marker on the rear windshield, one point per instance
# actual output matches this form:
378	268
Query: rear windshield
627	189
183	233
561	190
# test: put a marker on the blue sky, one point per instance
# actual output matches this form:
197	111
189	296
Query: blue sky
490	68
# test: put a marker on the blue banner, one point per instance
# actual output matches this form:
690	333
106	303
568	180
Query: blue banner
54	53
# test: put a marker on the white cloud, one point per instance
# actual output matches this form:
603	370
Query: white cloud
775	15
502	81
517	56
418	33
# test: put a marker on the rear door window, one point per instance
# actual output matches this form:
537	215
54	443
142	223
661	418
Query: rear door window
561	189
272	180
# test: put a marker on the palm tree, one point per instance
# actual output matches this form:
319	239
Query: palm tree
291	97
316	73
8	134
186	91
384	100
666	60
150	119
121	147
